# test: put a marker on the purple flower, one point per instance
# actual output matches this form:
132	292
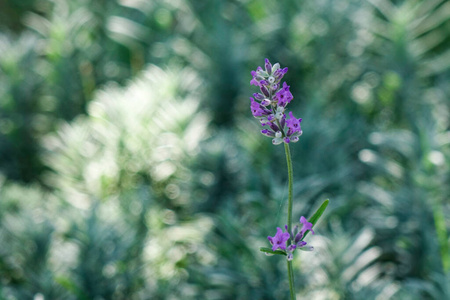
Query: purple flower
279	240
284	96
280	73
271	102
257	110
258	76
254	81
293	124
297	242
306	225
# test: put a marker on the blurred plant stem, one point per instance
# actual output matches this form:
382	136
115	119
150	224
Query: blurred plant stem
289	218
441	232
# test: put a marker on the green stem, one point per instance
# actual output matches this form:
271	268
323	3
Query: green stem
290	184
441	232
289	218
291	279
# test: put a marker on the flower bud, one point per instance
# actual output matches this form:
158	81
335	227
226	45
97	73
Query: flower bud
277	141
294	139
275	128
265	91
274	87
268	66
283	122
291	248
275	67
268	132
258	96
307	248
265	102
262	73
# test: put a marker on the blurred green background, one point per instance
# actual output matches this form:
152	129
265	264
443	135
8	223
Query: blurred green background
131	167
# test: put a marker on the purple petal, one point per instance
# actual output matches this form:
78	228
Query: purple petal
301	244
268	133
258	96
298	237
264	91
268	66
291	248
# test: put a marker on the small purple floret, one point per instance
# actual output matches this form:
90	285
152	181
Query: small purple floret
257	111
279	240
254	81
293	124
306	225
284	96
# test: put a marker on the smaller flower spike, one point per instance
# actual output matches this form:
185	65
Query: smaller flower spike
279	240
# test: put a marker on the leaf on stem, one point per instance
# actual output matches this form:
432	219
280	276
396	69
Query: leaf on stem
270	251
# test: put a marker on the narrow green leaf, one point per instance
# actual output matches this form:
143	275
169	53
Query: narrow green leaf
269	250
315	217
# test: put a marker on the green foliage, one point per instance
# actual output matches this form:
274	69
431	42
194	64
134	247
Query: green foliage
152	182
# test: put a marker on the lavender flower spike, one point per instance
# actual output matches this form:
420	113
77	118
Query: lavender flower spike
279	240
270	104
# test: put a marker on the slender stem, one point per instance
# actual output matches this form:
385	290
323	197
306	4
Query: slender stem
291	279
290	184
289	218
441	232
